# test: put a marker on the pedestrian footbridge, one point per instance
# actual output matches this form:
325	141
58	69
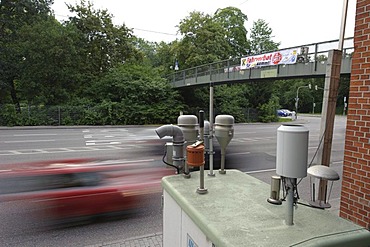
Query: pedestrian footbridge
310	63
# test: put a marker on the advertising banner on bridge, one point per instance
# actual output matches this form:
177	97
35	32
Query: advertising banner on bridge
269	59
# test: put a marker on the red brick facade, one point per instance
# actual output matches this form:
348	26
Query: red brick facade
355	195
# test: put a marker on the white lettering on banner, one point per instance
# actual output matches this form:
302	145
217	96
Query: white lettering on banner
273	58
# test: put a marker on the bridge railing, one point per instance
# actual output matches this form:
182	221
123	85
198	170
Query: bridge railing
315	53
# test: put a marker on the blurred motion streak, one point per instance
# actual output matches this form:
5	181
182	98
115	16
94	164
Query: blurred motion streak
74	190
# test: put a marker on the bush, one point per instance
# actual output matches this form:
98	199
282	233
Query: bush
9	116
268	110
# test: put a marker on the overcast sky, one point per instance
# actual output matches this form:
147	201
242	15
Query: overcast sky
294	22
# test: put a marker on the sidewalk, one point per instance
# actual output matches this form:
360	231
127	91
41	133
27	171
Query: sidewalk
152	240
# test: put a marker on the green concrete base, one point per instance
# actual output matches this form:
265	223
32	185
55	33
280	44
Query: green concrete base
235	212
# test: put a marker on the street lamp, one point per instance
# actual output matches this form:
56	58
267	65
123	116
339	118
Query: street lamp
297	99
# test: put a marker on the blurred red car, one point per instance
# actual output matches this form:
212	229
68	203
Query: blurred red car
79	189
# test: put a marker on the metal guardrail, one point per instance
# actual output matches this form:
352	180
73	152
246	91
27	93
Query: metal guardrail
313	65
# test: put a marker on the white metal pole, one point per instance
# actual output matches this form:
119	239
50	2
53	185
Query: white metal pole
343	25
211	173
290	182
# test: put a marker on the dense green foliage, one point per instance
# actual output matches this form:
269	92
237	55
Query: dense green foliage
88	70
261	38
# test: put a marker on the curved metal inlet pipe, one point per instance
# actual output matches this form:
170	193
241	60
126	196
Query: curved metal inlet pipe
171	130
178	142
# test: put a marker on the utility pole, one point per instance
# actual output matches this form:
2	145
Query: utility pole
332	77
328	117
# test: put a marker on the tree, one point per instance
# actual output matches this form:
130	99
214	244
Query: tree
168	56
161	56
50	62
147	50
214	38
137	95
230	99
195	99
261	38
260	92
232	20
207	43
103	44
227	28
321	58
15	14
268	110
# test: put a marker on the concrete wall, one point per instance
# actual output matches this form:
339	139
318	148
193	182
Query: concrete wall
355	195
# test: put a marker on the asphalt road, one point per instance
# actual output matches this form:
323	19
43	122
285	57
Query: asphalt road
252	150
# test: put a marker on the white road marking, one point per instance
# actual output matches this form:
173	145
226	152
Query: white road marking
254	139
115	143
35	135
65	150
238	153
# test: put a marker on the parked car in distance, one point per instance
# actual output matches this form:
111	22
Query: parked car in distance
80	189
284	113
281	113
288	112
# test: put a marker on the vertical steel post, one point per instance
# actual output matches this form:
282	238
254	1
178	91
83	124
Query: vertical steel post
290	185
201	189
211	173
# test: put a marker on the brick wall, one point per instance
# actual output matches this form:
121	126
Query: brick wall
355	195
